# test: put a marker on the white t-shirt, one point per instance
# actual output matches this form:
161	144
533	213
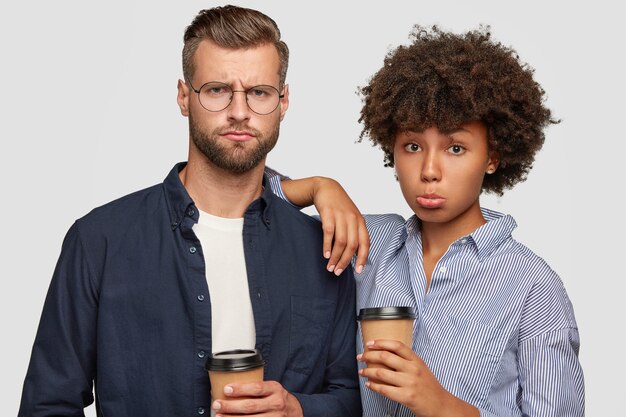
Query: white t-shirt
231	310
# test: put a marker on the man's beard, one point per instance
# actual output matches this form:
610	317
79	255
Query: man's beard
240	158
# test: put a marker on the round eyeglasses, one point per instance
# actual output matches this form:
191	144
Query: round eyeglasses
215	96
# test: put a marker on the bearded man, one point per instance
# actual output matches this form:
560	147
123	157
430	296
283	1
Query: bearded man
150	285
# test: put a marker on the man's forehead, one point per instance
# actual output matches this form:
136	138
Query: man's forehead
255	61
266	50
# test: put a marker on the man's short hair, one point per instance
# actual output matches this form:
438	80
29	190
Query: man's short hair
233	27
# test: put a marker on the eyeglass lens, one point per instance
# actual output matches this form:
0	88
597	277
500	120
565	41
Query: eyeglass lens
262	99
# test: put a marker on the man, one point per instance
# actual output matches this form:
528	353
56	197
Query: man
210	260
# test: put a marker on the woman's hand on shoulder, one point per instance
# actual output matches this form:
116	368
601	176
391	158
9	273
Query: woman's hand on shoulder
345	233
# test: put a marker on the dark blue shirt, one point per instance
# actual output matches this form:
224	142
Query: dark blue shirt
129	309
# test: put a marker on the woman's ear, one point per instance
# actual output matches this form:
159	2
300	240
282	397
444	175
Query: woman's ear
492	163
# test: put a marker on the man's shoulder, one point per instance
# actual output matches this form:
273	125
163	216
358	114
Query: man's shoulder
293	216
128	208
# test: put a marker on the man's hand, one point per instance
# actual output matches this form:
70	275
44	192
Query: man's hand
409	381
268	398
344	228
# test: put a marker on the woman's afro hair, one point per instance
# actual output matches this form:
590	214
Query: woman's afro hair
444	80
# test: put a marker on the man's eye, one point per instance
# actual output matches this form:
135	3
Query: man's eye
412	147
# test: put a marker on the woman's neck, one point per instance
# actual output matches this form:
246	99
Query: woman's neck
437	237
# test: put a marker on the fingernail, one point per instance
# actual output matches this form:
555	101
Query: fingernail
228	389
359	269
217	405
338	272
330	268
360	371
370	343
359	356
327	255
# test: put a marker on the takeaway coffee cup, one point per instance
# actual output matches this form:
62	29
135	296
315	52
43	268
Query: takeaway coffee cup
390	323
239	366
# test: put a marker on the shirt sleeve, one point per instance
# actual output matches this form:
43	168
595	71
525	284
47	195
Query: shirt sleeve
550	375
274	179
59	380
340	396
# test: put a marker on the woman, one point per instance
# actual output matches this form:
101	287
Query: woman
495	333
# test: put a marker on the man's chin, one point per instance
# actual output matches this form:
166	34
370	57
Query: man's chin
237	165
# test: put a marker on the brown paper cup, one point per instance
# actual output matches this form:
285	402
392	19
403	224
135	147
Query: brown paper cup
389	323
234	366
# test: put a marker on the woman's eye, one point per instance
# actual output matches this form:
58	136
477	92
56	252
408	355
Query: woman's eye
412	147
456	149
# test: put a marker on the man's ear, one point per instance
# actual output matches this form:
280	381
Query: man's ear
284	102
183	98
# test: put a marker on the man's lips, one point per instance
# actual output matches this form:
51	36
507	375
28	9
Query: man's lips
238	135
430	201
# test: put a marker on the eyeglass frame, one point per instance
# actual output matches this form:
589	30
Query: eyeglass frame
280	96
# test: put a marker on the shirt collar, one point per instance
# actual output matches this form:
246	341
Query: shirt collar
492	234
487	238
178	200
180	203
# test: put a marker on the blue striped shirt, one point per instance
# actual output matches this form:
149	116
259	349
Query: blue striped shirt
495	327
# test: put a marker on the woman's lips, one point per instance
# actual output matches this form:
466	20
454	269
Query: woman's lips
431	201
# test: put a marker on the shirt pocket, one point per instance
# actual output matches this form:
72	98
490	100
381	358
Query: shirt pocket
466	356
311	321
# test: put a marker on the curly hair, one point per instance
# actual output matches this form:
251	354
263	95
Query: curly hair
444	80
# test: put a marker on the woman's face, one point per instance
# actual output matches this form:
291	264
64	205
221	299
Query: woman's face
441	173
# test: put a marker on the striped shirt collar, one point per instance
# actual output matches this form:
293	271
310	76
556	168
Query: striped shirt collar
487	238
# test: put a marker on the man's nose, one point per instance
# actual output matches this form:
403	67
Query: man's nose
238	108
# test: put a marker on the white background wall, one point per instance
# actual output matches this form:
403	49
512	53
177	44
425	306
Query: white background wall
88	113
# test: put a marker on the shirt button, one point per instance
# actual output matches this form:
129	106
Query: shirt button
191	212
192	249
464	241
201	297
200	410
443	269
201	354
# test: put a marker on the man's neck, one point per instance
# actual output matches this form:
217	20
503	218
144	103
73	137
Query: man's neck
219	192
